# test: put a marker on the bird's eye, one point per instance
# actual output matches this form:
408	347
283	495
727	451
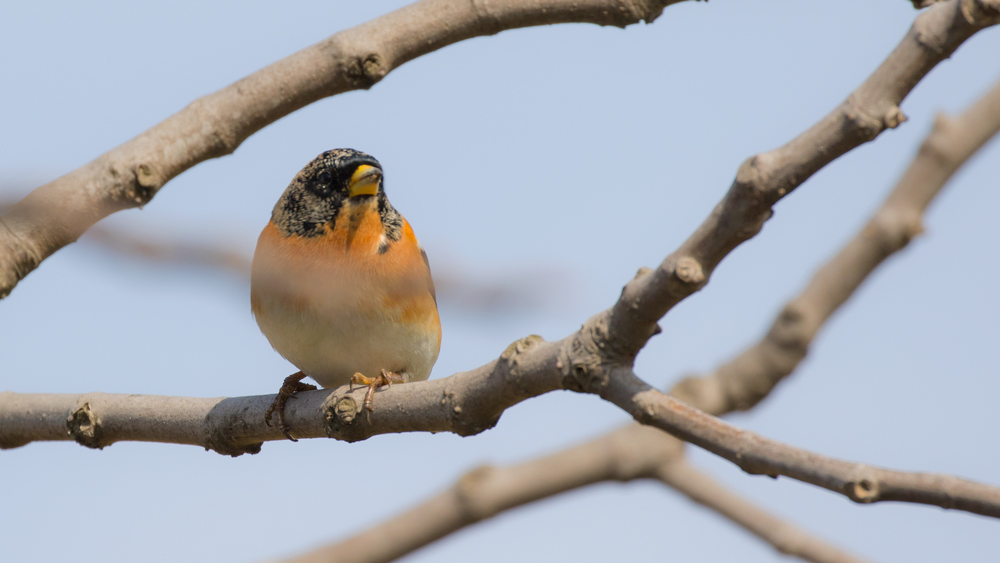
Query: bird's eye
324	177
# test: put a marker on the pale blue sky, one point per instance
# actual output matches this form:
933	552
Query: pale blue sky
581	151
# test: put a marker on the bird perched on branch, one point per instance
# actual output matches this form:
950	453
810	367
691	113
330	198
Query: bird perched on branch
340	286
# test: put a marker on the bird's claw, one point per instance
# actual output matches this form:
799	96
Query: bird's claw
292	384
384	379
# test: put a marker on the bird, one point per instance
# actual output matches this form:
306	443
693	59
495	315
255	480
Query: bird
339	284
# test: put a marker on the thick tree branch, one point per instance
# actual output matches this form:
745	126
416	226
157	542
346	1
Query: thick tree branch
57	213
465	403
629	453
597	358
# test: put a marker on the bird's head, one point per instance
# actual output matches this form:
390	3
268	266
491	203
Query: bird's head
334	180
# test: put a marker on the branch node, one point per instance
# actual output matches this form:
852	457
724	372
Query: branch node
748	176
520	346
689	271
145	186
592	354
367	70
981	13
509	360
467	489
927	37
469	421
634	11
863	491
864	125
586	375
338	415
85	427
144	175
790	331
346	409
894	117
752	190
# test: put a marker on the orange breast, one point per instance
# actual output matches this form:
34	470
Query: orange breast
341	273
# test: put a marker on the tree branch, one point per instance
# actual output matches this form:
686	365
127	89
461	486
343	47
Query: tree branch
629	453
596	359
523	291
783	536
57	213
746	379
758	455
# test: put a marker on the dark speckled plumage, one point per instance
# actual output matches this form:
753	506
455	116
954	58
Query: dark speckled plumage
318	192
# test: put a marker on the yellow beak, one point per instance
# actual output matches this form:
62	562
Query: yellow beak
365	180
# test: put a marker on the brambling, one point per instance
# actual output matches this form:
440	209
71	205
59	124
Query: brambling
339	284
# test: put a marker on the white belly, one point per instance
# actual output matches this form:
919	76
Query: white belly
330	348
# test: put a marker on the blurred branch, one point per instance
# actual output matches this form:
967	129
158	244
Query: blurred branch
135	245
783	536
174	253
57	213
596	359
524	291
455	287
629	453
634	452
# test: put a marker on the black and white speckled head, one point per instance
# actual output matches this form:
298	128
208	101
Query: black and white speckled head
320	190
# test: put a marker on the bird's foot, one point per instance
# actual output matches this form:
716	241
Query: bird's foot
385	379
292	385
